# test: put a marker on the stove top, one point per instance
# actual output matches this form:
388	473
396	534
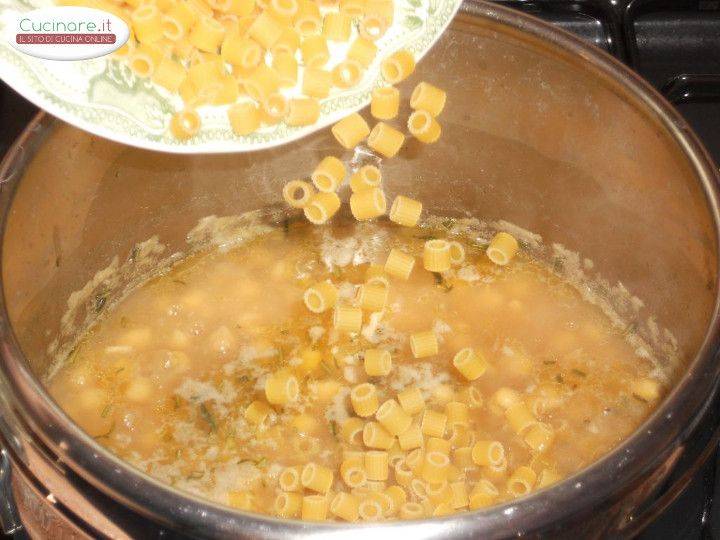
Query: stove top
675	44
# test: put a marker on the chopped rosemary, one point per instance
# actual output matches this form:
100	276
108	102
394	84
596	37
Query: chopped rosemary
208	417
579	372
109	431
481	244
259	462
106	410
630	329
440	281
100	300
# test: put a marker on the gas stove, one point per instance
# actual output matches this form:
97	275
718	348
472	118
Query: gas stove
675	44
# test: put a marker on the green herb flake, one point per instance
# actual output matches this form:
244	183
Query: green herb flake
262	462
549	362
195	475
440	281
179	281
208	417
107	434
289	222
578	372
481	244
106	410
99	302
602	291
559	378
334	428
639	398
630	329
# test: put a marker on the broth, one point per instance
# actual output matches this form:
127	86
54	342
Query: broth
165	379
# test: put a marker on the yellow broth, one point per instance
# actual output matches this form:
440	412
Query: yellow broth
165	378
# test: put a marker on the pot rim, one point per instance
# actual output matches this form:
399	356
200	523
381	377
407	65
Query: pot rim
659	435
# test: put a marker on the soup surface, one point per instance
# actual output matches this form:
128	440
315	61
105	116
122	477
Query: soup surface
191	378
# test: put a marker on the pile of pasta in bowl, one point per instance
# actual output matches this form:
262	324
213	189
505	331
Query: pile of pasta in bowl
265	62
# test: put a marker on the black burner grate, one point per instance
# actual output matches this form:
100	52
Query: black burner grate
596	21
674	44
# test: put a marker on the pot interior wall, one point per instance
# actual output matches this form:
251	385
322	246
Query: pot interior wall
531	135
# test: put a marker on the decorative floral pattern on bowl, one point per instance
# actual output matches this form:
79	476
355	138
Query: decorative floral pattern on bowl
105	97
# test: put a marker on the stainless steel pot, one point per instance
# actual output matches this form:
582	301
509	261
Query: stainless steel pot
540	130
